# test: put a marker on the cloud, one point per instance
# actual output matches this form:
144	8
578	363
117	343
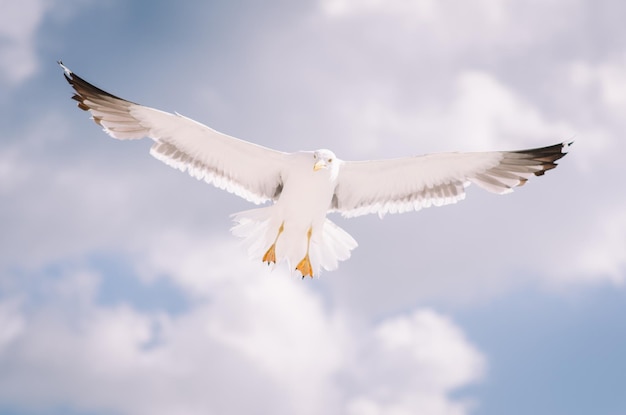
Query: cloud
606	80
453	24
483	114
20	23
490	12
343	8
66	201
11	321
443	360
253	342
602	252
18	27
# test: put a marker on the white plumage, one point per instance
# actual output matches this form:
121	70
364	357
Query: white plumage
305	186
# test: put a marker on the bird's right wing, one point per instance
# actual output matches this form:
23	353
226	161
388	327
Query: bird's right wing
412	183
245	169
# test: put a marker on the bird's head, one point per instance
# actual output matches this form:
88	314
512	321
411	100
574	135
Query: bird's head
323	159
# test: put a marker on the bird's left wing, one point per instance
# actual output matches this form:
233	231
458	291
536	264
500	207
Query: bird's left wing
245	169
412	183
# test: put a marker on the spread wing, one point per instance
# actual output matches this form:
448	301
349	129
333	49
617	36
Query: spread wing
245	169
411	183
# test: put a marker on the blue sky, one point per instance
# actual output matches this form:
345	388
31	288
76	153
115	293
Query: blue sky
122	290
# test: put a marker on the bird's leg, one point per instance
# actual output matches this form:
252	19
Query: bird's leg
304	266
270	255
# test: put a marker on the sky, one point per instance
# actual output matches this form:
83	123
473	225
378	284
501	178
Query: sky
123	292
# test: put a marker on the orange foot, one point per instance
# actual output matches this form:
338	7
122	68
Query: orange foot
304	267
270	255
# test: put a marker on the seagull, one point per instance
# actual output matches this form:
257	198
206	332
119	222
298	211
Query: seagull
306	185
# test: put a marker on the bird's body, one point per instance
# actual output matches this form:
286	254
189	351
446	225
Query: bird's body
301	208
306	185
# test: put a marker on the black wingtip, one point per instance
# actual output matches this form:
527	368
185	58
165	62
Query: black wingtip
546	157
84	88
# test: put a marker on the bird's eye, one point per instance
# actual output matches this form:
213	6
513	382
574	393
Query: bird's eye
330	160
315	156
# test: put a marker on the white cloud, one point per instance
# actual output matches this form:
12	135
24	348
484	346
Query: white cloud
435	343
607	79
454	24
423	351
600	253
11	322
65	201
11	173
490	11
258	341
489	114
422	9
19	22
484	114
441	357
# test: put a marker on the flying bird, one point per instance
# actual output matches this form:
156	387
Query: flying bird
305	186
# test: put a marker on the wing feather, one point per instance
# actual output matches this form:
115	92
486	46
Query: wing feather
245	169
413	183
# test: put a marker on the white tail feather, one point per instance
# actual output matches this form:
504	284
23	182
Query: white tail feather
259	227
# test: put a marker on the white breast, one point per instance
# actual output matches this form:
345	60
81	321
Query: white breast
306	194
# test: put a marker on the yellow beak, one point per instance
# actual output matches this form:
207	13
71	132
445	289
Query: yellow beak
321	164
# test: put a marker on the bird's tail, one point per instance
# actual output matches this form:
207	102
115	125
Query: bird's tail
259	228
